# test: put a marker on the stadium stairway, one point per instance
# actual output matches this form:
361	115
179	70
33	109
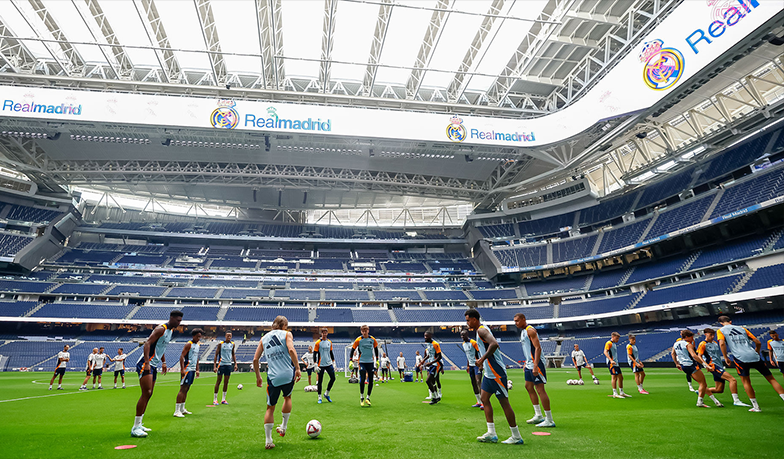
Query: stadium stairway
450	361
637	300
32	311
659	356
648	228
598	243
742	281
713	205
133	312
208	354
223	310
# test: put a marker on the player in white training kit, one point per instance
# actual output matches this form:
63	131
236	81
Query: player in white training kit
89	369
59	369
100	360
401	366
385	365
225	361
189	371
687	360
310	364
535	373
153	354
493	381
471	350
745	349
580	361
119	366
418	367
282	372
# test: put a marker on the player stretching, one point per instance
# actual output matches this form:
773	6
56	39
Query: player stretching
154	353
634	361
119	366
535	373
686	359
433	365
367	346
579	361
688	376
189	371
418	367
401	366
225	362
471	350
775	351
282	372
324	358
611	356
89	369
745	349
59	370
711	353
493	381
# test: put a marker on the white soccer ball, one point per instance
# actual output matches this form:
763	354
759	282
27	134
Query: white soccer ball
580	382
509	385
239	386
570	382
596	381
313	429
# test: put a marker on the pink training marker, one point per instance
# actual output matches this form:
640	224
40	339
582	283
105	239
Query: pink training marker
210	406
125	447
543	434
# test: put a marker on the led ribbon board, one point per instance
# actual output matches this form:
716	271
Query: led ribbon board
689	39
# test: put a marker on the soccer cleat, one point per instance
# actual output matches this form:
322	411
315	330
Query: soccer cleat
434	401
739	403
546	423
535	420
476	405
328	399
626	396
755	410
100	387
319	401
488	438
269	445
138	432
50	387
367	401
362	402
702	405
482	407
224	402
184	411
177	414
429	397
281	431
643	391
215	403
719	405
60	388
513	441
146	429
616	396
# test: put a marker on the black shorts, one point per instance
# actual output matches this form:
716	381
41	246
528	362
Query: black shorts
309	370
636	369
689	369
717	372
59	371
274	392
119	372
97	371
474	371
579	367
225	370
614	369
152	370
370	368
744	369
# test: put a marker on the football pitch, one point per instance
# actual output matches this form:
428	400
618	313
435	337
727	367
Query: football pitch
37	423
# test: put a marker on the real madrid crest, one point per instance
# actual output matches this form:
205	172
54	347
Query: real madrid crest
456	132
225	117
663	66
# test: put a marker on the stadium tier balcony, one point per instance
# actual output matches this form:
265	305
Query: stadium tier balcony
769	276
16	308
265	314
123	279
346	295
572	249
735	158
25	286
680	217
607	279
608	209
192	292
190	313
32	214
225	282
301	295
596	305
322	264
660	268
736	250
397	295
623	236
545	226
494	294
757	189
665	294
370	315
11	244
232	263
502	231
243	293
430	315
445	295
544	311
85	257
94	310
659	191
547	287
137	290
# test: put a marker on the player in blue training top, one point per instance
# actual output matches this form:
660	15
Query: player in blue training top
535	373
282	372
324	358
367	346
189	371
686	359
745	349
493	381
710	352
776	350
611	357
153	354
225	361
471	350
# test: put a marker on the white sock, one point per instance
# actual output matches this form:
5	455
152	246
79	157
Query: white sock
782	396
59	386
177	408
538	410
700	401
515	433
620	390
715	400
285	422
326	393
137	421
754	403
615	392
268	432
50	387
639	386
491	428
319	397
735	398
115	385
224	396
215	397
690	386
478	399
548	416
182	407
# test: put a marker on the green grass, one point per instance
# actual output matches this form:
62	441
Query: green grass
70	424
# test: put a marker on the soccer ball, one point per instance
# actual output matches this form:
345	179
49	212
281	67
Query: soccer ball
596	381
570	382
313	429
509	384
239	386
580	382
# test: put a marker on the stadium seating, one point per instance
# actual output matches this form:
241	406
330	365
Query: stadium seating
16	308
571	249
623	236
32	214
607	279
547	287
680	217
264	314
596	305
545	226
94	310
665	294
743	248
656	269
769	276
534	255
11	244
659	191
757	189
608	209
504	230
